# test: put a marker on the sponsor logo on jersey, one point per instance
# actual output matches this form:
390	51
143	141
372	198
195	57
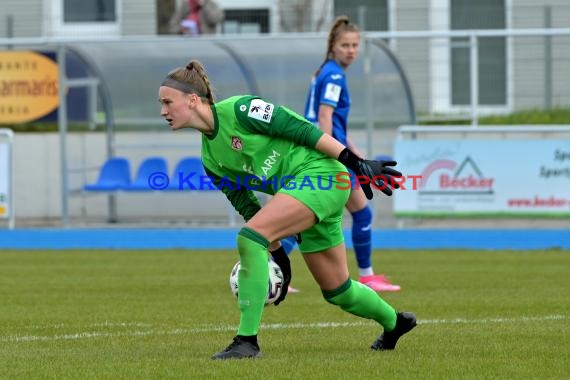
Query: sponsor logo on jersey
270	161
336	76
261	110
236	143
332	92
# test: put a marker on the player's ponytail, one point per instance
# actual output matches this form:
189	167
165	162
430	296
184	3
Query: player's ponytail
191	79
201	72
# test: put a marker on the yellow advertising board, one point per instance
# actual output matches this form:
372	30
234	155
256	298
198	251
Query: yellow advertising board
28	86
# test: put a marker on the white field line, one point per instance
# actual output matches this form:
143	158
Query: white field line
273	326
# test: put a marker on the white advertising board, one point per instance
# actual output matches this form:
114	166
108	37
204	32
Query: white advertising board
483	177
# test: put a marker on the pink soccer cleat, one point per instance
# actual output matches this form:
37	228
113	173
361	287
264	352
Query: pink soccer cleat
292	290
379	283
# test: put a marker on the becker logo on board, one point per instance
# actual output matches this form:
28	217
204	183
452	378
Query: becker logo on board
28	86
449	177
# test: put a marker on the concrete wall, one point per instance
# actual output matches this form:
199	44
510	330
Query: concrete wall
38	197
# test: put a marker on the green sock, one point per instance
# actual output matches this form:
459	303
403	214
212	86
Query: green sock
360	300
253	280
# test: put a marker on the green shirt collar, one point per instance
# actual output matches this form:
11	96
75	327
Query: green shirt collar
216	124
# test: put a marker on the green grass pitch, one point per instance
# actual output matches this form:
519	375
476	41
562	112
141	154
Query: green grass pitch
161	314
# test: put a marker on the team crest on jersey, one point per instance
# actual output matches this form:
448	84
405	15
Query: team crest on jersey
260	110
236	143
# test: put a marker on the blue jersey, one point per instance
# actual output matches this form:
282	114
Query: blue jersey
330	88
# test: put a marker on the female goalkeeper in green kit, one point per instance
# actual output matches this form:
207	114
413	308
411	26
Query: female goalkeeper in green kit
246	137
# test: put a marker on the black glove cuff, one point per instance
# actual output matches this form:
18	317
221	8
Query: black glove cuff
349	159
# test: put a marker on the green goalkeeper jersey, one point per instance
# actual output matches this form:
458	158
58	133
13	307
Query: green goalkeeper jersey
256	145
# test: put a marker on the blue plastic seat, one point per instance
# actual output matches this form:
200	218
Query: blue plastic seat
193	175
151	175
115	174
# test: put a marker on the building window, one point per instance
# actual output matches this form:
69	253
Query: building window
243	21
84	18
492	65
89	11
371	15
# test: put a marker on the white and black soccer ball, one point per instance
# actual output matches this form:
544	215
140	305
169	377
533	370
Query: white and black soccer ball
275	281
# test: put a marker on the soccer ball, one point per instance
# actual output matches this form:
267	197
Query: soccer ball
275	281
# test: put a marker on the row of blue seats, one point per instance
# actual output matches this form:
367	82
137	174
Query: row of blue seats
152	174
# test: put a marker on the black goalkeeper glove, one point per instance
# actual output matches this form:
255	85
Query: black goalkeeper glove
280	257
379	174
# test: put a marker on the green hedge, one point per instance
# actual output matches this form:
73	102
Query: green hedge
553	116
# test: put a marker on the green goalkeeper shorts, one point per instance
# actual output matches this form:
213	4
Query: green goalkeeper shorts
318	187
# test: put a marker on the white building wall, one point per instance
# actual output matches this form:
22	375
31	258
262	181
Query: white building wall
414	53
531	67
26	18
138	17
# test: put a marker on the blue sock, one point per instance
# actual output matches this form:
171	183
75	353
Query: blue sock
289	244
362	236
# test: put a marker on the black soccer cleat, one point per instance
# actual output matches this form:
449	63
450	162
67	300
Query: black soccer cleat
238	349
387	340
